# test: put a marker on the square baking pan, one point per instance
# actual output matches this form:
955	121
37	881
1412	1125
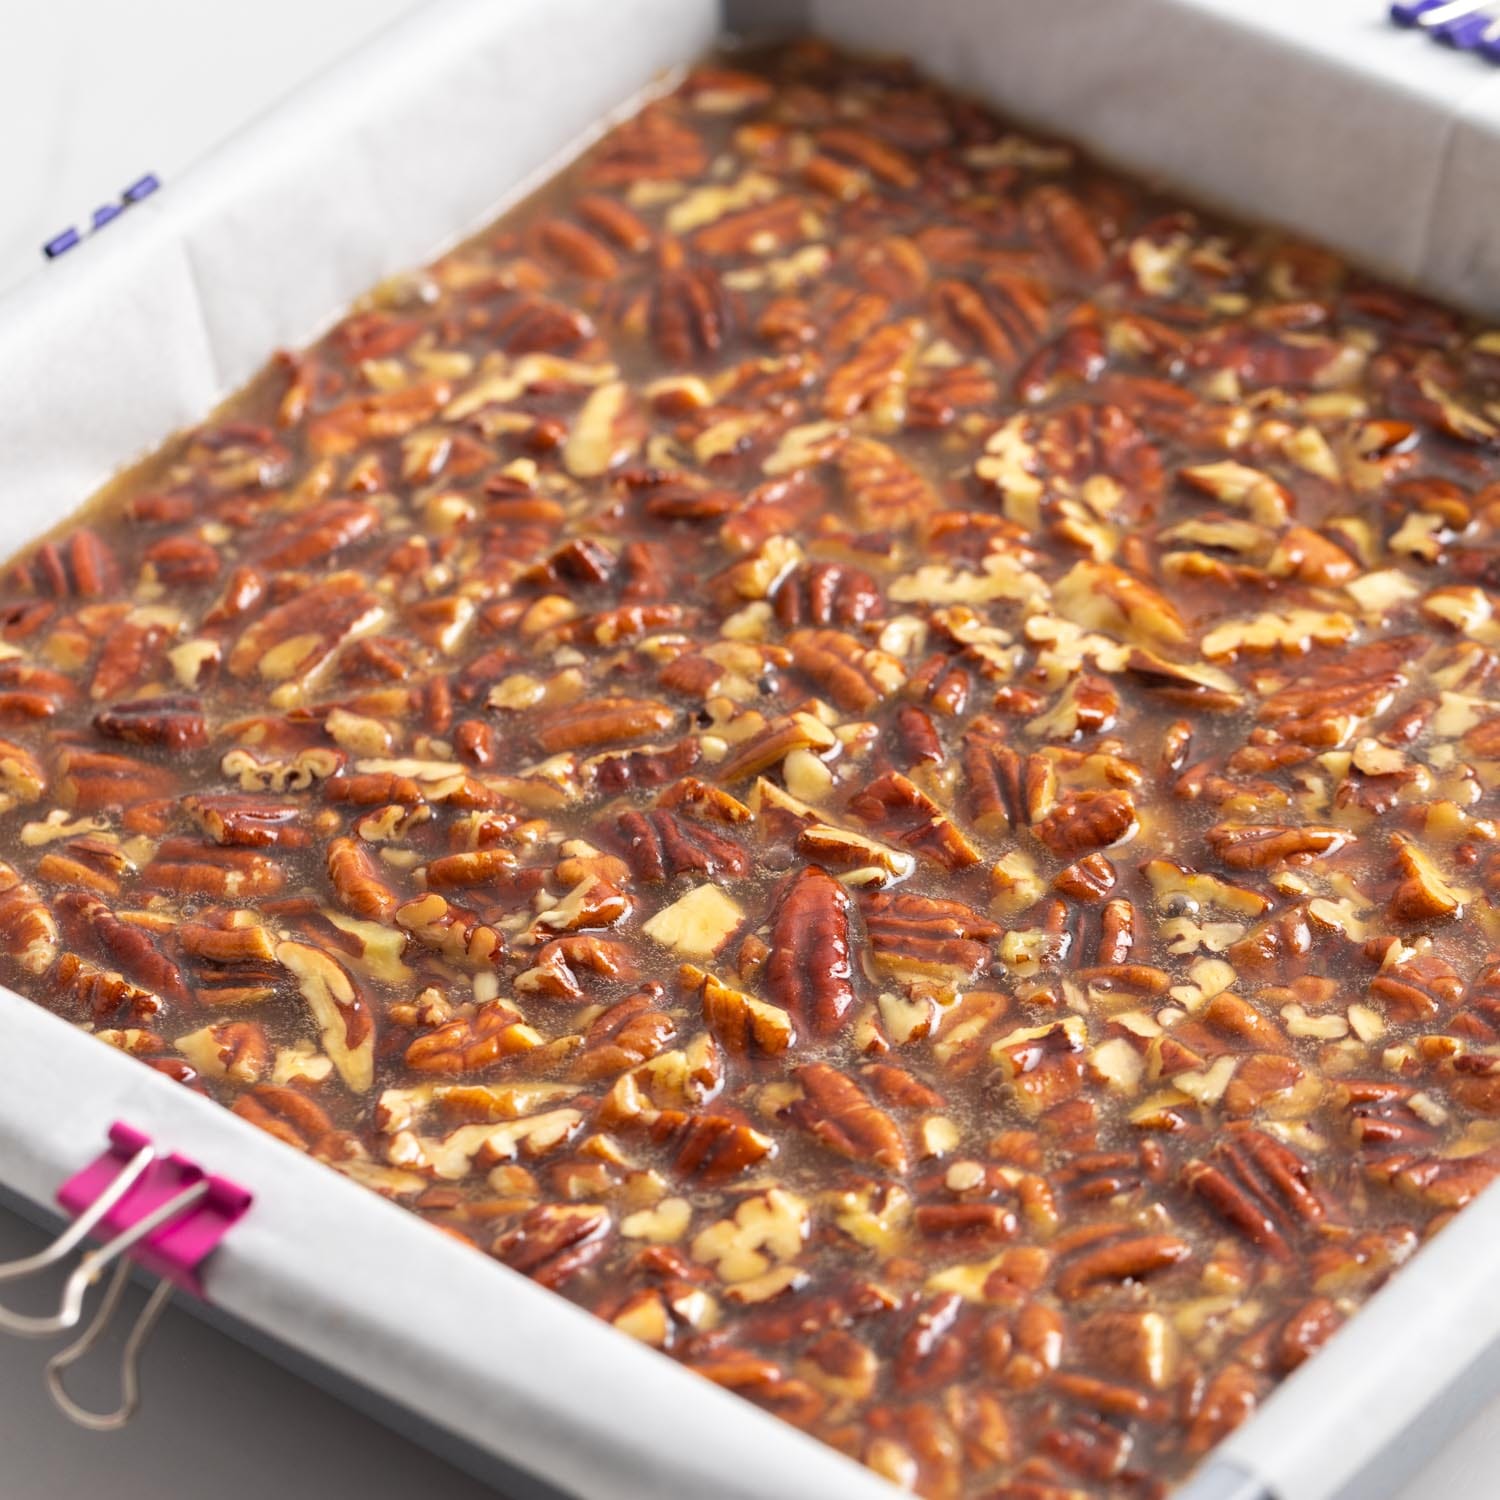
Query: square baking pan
1318	118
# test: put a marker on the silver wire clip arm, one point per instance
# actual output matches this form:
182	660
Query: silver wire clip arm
163	1212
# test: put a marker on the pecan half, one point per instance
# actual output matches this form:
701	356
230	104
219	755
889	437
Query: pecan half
174	724
493	1033
809	969
839	1115
659	845
555	1241
1121	1260
356	882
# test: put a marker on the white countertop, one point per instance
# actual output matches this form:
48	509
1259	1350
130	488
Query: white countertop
92	96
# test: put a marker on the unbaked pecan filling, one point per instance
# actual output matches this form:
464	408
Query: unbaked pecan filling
858	744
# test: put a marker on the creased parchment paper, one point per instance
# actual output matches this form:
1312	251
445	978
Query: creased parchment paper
1315	116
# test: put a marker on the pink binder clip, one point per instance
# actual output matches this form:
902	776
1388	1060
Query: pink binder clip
163	1212
178	1246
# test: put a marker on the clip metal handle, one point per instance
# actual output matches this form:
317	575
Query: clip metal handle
162	1212
32	1327
130	1383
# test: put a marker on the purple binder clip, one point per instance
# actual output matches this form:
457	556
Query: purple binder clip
60	243
161	1212
1468	25
106	213
142	187
1465	33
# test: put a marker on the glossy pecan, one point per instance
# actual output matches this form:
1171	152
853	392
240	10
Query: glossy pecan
839	1115
493	1033
1118	1260
222	871
659	845
691	312
293	640
81	566
338	1006
450	930
741	1022
250	822
357	883
1092	820
886	492
604	721
856	677
92	780
809	971
827	594
560	966
294	1118
88	921
922	936
625	1035
874	376
104	995
1003	318
555	1241
317	534
1254	847
172	724
901	811
28	930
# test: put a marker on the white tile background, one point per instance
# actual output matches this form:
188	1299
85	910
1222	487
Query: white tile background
94	93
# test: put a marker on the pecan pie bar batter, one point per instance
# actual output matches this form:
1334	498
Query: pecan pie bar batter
864	747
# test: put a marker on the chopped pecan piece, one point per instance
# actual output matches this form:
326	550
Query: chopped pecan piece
343	1017
494	1032
456	934
740	1021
